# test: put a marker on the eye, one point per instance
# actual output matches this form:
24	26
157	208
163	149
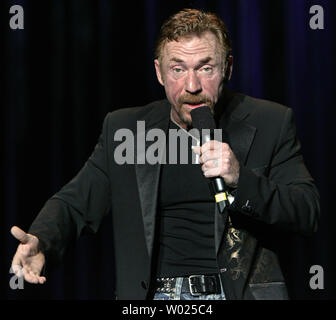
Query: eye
177	70
207	69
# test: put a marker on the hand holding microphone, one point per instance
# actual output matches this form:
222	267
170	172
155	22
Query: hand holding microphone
219	163
218	160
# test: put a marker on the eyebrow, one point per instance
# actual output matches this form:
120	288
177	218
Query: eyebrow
199	64
176	60
206	60
203	61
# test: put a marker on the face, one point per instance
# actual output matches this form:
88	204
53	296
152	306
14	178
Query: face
192	72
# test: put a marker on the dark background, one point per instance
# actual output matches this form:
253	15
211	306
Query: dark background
76	60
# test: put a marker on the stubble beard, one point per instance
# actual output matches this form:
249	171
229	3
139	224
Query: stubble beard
184	112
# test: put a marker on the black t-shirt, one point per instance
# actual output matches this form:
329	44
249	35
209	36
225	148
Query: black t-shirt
186	219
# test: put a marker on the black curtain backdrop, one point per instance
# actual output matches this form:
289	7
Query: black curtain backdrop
76	60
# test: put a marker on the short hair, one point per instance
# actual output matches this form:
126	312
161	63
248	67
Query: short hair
192	21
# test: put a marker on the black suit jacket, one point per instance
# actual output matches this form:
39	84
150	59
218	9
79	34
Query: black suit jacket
275	194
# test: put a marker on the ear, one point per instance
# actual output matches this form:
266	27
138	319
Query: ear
158	71
229	68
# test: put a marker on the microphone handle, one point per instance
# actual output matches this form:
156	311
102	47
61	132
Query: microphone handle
218	185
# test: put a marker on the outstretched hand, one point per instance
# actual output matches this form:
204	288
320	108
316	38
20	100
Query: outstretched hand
28	260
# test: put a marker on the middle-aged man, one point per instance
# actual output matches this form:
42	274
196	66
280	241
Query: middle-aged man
171	241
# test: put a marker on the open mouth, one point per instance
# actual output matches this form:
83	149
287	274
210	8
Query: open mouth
193	106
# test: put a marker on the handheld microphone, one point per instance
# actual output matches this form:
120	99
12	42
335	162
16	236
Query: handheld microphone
202	119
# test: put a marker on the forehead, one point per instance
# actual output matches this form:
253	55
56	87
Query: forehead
192	47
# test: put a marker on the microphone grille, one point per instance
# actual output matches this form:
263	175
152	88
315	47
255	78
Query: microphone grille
202	118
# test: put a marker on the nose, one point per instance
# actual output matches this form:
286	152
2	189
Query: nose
192	83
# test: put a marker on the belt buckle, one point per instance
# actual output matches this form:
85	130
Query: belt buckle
195	294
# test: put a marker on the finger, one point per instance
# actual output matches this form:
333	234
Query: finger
196	149
213	145
17	270
210	164
208	146
42	280
32	277
210	155
29	275
31	269
19	234
210	173
16	262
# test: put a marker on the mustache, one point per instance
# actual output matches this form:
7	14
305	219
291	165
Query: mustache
195	99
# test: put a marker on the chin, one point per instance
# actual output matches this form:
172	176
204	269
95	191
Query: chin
186	118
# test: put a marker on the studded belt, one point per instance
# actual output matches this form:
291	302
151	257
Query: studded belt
196	285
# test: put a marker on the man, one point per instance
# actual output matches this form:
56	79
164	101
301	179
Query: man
171	241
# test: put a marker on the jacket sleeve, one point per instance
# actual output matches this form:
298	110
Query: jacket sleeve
80	205
286	197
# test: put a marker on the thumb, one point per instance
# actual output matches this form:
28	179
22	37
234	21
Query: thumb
19	234
196	149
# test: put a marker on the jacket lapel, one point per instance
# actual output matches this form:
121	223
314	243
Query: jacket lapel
239	135
147	174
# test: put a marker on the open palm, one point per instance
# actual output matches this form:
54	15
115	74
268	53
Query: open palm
28	260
